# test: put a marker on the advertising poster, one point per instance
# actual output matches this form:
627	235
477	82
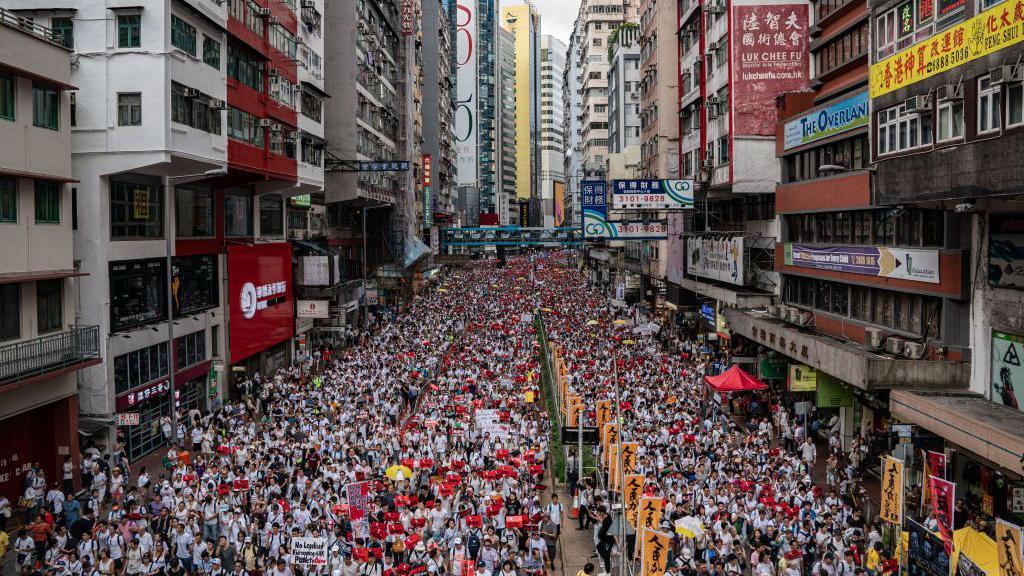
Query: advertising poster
891	506
1007	374
802	378
466	151
1006	250
926	555
899	263
559	189
988	32
838	118
769	46
716	257
259	297
652	194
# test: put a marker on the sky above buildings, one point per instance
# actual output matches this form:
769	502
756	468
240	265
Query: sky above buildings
556	16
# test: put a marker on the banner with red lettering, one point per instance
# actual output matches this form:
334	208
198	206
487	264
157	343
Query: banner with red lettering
943	500
358	501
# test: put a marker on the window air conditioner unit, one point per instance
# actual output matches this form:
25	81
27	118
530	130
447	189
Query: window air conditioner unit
263	12
308	4
218	104
715	8
914	350
949	92
894	345
917	103
266	122
1003	74
273	20
191	93
875	338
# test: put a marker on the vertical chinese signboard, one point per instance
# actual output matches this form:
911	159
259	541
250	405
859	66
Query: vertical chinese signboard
892	491
428	192
408	17
559	188
465	77
769	56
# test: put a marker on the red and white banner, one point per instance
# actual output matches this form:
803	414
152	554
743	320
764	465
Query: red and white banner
943	500
358	501
937	464
770	55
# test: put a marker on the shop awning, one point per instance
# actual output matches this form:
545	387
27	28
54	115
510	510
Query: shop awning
734	379
992	431
89	426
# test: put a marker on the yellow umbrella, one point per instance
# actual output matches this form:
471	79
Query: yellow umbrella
689	526
592	322
545	309
442	289
620	322
628	342
393	471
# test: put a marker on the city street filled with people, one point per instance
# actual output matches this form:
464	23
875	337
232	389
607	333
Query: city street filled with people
428	448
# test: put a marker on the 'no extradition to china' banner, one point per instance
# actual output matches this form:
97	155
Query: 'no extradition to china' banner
992	30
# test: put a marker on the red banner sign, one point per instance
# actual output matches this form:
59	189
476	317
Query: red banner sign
769	55
408	17
943	500
260	297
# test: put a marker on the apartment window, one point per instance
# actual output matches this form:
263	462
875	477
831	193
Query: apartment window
190	349
45	107
49	305
136	209
986	4
312	107
129	109
312	152
8	199
47	202
211	52
194	110
193	284
899	130
7	89
215	340
140	367
271	215
65	28
238	214
723	150
990	107
245	68
245	127
193	212
10	311
951	120
1015	104
183	35
129	30
138	293
73	108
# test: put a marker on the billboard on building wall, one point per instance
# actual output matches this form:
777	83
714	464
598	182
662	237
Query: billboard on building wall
840	117
467	153
716	257
769	46
559	188
1006	250
1007	373
652	194
594	202
261	310
900	263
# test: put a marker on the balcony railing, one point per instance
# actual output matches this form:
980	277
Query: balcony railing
48	353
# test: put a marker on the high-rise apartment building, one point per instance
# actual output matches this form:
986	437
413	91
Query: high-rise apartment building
524	23
43	342
659	84
552	131
508	207
624	89
572	106
438	113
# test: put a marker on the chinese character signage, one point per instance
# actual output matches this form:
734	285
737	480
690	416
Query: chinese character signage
466	148
1008	546
259	297
654	548
652	194
840	117
994	29
1006	250
891	506
925	11
428	191
899	263
716	257
1007	375
397	166
769	46
633	490
905	13
408	17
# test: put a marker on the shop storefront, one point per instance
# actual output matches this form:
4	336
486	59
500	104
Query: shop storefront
24	442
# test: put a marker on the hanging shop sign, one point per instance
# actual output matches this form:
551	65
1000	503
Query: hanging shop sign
126	419
990	31
1007	376
840	117
652	194
259	297
1006	250
802	378
772	368
312	309
402	166
408	17
716	257
142	395
594	205
770	56
428	191
897	263
832	393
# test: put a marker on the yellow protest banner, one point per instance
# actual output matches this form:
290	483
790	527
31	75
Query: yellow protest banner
654	550
634	488
604	413
648	515
613	467
609	433
575	409
1008	545
892	491
994	29
629	451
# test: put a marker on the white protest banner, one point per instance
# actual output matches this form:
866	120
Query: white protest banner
309	551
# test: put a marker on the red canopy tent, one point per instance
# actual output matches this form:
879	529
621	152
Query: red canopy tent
734	379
